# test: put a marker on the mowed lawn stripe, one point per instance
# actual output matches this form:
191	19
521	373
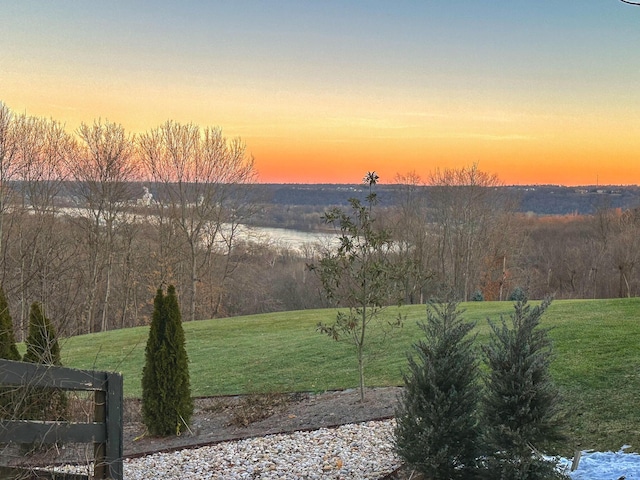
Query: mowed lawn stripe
596	362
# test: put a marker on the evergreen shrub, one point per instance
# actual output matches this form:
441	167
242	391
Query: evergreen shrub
522	406
167	405
518	295
447	427
8	351
477	296
8	348
437	426
42	348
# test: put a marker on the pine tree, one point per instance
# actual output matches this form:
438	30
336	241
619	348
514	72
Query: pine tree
151	390
437	425
42	342
43	348
167	405
522	404
179	391
8	349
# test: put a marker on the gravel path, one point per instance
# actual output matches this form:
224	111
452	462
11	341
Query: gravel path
353	451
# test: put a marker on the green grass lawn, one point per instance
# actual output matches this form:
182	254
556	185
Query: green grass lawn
596	364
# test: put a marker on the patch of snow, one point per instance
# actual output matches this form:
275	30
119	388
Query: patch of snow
604	466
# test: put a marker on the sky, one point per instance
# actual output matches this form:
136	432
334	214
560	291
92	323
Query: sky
536	92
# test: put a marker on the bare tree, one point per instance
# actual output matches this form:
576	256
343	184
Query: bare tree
102	174
8	167
412	239
472	218
42	148
623	247
196	173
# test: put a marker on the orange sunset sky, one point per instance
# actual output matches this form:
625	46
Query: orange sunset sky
543	91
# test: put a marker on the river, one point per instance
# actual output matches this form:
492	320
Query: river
279	237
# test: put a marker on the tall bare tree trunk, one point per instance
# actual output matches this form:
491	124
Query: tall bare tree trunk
107	292
194	282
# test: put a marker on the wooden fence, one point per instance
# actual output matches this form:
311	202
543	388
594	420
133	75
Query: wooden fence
105	432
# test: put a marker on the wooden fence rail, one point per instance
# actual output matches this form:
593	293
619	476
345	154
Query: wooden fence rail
105	432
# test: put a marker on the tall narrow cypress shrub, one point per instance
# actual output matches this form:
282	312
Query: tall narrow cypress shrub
42	341
151	388
436	420
179	386
8	349
521	405
43	348
167	405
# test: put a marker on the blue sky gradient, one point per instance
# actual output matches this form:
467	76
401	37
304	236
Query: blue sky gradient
537	92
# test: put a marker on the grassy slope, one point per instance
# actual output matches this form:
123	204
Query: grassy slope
597	363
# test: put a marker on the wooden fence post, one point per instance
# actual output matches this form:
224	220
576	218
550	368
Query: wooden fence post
105	432
114	421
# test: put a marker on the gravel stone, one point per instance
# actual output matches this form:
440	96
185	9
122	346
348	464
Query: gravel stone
353	451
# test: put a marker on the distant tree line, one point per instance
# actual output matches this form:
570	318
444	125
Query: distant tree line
532	199
470	235
94	221
75	236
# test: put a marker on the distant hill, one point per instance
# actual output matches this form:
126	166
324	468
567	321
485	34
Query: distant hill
553	200
537	199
